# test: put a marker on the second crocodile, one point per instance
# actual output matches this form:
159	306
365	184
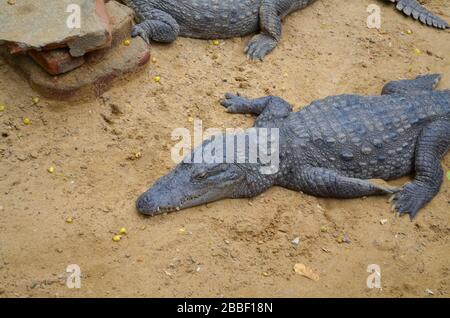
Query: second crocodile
164	20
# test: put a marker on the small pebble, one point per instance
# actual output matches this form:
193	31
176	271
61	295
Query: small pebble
383	221
35	100
323	228
296	241
346	239
429	291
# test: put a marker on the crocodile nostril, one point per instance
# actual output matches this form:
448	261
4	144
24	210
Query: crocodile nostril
145	206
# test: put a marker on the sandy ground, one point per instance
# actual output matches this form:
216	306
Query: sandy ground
232	247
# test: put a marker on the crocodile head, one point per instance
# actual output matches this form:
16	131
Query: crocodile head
190	184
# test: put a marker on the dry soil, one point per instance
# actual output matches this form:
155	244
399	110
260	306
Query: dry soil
232	247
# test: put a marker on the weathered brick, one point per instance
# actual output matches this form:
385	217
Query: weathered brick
57	61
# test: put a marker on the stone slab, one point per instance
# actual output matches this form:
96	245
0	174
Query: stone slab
88	81
59	61
42	24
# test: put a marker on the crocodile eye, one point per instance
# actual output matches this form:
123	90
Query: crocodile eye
201	175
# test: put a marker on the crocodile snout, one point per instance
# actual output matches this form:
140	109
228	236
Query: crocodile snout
145	205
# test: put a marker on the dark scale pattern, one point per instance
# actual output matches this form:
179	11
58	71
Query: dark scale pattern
366	137
164	20
416	11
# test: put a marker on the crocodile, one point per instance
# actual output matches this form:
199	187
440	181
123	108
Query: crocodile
339	146
164	20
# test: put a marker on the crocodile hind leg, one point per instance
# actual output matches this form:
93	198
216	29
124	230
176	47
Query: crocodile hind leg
270	22
422	84
154	24
432	145
268	109
415	10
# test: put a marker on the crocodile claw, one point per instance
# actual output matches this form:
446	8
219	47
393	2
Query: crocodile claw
409	200
139	30
259	46
233	103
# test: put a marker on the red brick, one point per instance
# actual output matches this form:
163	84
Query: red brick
56	61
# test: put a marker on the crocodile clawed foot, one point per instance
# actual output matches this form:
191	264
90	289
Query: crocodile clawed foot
234	103
259	46
409	200
140	30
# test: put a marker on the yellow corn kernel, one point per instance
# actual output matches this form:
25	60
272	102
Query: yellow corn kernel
123	231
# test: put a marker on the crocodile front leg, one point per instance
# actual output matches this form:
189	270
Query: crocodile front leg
323	182
269	109
154	24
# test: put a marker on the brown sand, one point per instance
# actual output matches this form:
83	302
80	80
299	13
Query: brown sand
232	247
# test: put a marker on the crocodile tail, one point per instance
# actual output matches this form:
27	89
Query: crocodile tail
413	9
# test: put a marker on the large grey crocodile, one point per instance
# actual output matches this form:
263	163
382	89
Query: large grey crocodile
164	20
330	148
